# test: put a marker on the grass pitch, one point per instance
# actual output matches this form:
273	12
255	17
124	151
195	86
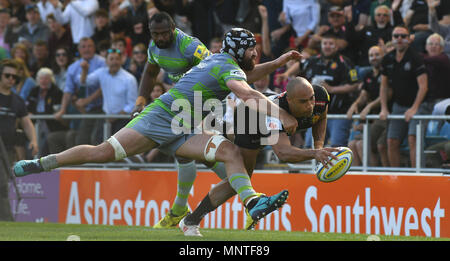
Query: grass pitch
17	231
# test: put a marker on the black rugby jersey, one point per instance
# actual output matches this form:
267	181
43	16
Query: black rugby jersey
252	141
335	71
402	76
322	99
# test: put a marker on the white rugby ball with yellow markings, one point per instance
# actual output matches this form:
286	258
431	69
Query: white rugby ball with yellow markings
339	168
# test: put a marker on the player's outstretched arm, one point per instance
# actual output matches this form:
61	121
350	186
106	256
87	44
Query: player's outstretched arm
263	69
291	154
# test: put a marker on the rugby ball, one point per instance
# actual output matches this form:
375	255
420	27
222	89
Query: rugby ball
339	168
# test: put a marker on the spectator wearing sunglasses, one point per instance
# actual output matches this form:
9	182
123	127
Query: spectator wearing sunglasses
403	72
138	61
62	60
23	88
13	108
118	87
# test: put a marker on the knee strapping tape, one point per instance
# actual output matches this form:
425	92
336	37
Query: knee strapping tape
211	147
119	152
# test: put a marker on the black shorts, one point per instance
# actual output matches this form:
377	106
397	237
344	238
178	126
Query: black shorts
248	141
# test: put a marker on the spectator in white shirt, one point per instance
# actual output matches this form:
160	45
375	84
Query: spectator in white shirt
118	86
302	16
47	7
80	15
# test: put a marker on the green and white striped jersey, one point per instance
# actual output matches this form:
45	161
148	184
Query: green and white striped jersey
206	81
185	52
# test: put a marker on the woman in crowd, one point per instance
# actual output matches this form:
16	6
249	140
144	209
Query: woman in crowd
62	61
26	82
45	98
138	61
20	50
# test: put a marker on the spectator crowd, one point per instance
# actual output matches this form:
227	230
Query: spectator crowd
87	57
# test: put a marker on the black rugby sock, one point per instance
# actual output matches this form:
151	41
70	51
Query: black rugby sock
203	208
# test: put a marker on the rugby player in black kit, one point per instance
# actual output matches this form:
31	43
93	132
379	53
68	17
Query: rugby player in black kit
309	105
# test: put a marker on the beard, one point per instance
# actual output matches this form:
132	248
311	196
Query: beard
247	64
381	25
375	62
163	44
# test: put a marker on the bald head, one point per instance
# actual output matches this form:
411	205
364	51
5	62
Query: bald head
298	84
300	96
375	56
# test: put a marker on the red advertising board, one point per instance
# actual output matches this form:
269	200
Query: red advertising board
372	204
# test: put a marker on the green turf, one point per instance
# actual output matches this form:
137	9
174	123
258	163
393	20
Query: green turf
17	231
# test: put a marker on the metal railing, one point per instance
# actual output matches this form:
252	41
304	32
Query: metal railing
420	135
421	119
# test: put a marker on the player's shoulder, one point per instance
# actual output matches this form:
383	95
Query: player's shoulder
190	45
186	39
152	48
225	61
321	94
226	68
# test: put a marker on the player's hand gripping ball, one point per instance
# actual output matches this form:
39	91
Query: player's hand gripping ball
339	167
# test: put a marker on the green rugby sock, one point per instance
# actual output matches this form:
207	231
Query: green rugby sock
219	169
240	182
187	172
49	162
